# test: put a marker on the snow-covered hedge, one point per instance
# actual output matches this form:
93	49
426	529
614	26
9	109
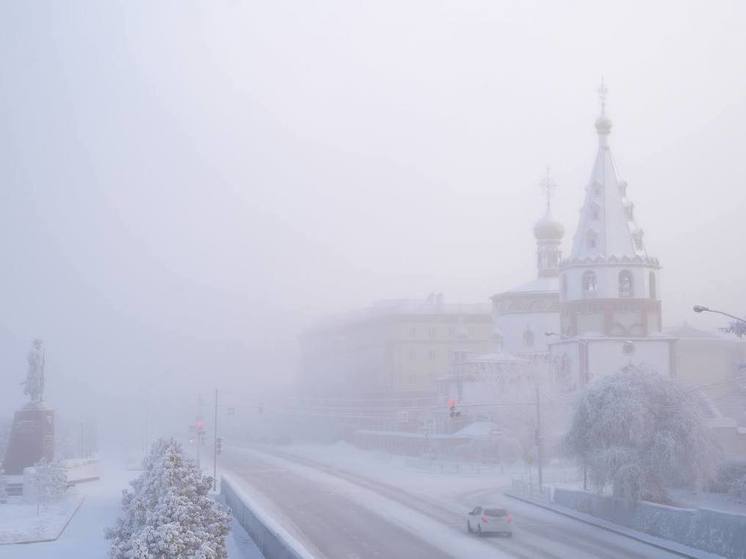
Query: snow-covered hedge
169	512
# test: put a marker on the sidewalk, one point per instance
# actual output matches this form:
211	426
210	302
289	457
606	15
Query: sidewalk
84	536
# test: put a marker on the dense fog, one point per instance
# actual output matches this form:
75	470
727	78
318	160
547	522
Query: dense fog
186	186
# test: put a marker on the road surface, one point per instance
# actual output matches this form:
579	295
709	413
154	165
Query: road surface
342	515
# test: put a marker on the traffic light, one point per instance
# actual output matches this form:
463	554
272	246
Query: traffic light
453	412
219	445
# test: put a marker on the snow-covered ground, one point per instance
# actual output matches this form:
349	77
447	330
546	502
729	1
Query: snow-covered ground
21	523
84	536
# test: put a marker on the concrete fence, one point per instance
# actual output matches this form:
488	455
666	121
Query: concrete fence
269	536
709	530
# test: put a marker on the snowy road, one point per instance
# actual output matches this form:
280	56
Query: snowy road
343	515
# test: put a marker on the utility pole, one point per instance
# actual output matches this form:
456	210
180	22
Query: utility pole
215	446
539	452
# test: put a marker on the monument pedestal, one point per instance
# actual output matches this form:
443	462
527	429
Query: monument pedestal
31	438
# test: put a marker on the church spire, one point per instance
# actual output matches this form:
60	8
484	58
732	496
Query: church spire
607	227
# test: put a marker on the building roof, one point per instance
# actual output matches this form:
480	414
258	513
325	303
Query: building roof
607	228
494	357
547	284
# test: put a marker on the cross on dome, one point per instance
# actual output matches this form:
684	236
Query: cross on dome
603	92
547	186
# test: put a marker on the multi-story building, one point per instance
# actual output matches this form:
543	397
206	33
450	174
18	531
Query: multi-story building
393	349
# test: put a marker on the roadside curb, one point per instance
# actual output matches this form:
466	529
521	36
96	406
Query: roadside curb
660	543
62	530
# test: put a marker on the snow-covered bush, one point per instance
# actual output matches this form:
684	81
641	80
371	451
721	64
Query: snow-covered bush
727	474
48	482
640	433
737	489
169	512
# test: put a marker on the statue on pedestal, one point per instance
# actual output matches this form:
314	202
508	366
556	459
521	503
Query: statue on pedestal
32	434
34	383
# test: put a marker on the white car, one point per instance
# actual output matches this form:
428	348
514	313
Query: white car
489	520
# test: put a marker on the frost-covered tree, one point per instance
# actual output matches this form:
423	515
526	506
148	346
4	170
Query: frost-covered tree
640	433
169	513
48	482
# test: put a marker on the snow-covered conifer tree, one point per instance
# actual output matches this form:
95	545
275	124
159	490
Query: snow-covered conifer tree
170	514
134	509
640	433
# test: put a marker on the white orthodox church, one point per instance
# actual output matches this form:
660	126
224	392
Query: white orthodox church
598	309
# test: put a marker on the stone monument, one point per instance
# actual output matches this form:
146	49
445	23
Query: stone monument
32	434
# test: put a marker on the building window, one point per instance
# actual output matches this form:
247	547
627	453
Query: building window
451	331
431	332
651	281
431	354
412	354
563	281
590	285
626	287
413	332
638	241
528	337
596	212
592	240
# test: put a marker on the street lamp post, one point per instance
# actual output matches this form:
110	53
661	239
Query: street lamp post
740	330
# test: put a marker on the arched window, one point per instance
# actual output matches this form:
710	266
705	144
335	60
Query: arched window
638	241
595	211
528	337
592	240
626	286
590	285
652	286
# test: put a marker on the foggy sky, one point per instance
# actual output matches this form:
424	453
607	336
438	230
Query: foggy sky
186	185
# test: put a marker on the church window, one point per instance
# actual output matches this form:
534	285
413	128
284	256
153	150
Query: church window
652	286
638	241
626	287
592	240
590	285
596	212
528	337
